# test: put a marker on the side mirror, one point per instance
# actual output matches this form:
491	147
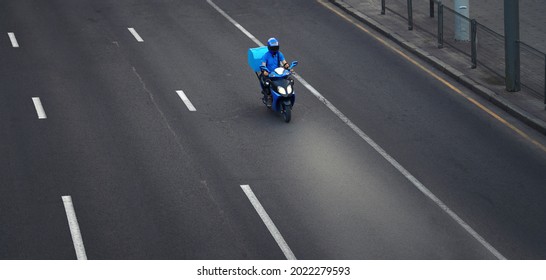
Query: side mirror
293	64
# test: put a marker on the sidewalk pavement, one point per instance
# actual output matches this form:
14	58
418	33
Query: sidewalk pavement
491	14
523	105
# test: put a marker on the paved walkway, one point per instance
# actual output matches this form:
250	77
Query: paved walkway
491	14
525	105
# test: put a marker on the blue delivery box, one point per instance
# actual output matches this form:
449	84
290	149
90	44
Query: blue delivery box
255	57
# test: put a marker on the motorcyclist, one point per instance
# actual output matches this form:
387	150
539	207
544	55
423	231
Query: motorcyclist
270	61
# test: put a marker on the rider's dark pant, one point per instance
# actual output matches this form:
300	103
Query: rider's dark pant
263	80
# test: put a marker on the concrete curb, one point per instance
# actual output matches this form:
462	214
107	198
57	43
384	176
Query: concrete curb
478	88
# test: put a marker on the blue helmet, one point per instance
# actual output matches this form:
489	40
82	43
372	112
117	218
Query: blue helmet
273	45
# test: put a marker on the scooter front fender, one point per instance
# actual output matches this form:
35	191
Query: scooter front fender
276	106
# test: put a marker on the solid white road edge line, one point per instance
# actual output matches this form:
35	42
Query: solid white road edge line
74	228
378	148
186	100
268	223
236	24
13	40
39	108
135	34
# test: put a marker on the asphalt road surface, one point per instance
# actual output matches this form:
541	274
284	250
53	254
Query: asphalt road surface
151	179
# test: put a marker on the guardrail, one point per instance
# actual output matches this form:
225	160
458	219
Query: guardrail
533	69
484	46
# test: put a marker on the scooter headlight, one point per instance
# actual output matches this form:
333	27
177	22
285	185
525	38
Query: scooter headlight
289	89
281	90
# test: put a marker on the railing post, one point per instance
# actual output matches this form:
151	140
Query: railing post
440	25
410	15
473	37
432	8
382	7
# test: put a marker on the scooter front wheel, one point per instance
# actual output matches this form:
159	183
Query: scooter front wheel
287	113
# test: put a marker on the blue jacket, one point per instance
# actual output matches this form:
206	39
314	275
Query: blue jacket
270	62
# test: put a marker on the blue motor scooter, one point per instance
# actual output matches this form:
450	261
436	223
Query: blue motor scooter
281	86
279	83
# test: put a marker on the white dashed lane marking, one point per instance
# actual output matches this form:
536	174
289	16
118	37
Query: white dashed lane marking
39	108
135	34
13	40
74	228
186	100
268	222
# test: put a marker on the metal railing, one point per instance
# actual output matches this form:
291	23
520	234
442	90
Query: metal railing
490	50
484	46
533	70
449	18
